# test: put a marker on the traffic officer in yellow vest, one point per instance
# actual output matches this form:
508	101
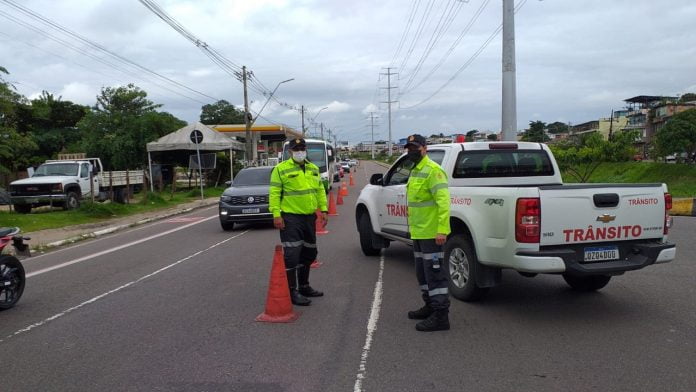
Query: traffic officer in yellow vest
428	220
296	193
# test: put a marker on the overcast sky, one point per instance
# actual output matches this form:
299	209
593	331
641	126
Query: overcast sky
576	59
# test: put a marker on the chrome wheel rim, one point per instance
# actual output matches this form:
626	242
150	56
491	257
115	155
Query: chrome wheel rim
459	267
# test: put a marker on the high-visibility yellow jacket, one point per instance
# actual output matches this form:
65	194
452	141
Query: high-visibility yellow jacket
296	190
428	200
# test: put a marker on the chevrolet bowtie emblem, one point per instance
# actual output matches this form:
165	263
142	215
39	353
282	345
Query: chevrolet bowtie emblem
606	218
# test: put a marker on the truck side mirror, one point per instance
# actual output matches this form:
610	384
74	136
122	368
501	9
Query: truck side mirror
376	179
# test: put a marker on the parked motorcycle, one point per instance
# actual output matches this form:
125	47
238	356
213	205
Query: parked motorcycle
12	276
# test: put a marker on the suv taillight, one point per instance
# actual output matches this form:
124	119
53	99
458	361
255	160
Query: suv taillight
668	219
528	220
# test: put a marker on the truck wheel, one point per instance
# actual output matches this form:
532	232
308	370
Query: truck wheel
462	261
366	236
587	283
72	201
227	226
22	208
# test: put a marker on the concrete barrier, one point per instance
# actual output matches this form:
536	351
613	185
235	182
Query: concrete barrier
683	207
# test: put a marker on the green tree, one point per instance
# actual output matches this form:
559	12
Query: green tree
492	137
120	125
53	125
470	134
580	158
536	133
557	127
16	149
678	135
688	97
221	112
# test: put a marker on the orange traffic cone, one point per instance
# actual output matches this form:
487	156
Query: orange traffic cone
352	182
344	189
339	198
332	205
316	264
320	229
278	305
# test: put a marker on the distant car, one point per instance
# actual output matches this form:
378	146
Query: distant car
346	167
246	200
353	162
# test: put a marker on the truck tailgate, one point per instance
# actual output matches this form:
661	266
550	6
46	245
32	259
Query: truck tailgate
572	214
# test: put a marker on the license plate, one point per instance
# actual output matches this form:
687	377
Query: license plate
250	211
601	253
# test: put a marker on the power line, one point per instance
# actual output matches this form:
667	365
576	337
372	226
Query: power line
448	14
452	47
468	62
42	19
416	36
409	22
79	50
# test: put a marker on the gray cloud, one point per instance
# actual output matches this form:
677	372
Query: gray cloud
575	60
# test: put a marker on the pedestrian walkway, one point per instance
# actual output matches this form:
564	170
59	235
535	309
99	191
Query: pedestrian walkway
51	238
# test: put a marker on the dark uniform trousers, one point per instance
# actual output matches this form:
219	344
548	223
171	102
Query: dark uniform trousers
299	239
431	272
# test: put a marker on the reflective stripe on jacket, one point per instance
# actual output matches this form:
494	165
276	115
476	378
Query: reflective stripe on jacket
296	190
428	200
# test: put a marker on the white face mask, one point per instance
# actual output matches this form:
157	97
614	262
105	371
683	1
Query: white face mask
299	156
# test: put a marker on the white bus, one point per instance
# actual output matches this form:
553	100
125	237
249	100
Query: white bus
320	153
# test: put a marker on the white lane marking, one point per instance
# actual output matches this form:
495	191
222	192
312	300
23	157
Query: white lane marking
119	288
107	251
371	327
95	240
185	219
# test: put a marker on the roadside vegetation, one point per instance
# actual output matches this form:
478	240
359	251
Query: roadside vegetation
678	177
45	218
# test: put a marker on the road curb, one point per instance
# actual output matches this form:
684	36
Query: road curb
683	207
113	229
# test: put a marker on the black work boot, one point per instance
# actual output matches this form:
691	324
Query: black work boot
308	291
299	299
421	314
295	297
437	321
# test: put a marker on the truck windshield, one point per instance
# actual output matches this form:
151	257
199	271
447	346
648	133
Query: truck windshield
502	163
57	169
316	153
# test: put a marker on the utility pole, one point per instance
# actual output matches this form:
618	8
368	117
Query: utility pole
611	124
303	128
372	146
388	102
509	109
247	124
322	131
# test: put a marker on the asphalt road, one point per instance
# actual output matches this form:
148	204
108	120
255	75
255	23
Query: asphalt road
170	306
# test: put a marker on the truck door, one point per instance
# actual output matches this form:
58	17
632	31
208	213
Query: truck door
393	208
83	179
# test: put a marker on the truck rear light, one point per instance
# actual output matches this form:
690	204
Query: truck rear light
668	219
502	146
528	220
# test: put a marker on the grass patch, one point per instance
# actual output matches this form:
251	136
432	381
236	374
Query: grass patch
680	178
45	218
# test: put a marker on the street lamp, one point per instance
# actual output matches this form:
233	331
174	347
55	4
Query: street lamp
269	98
322	124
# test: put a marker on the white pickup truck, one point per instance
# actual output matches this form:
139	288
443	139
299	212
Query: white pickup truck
511	210
65	182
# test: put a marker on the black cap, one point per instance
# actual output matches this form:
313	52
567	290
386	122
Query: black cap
296	142
416	140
